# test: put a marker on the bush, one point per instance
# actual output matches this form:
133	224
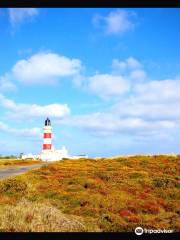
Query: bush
151	208
104	176
13	185
90	184
113	223
164	182
136	175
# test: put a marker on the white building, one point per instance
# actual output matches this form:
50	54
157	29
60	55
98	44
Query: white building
54	155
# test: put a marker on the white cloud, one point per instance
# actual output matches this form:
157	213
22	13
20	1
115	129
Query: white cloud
152	100
18	15
24	111
116	22
131	68
112	124
126	65
167	90
25	132
3	126
148	111
45	68
138	76
150	107
6	84
106	85
124	76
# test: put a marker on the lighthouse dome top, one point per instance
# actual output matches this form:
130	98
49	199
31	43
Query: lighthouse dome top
47	122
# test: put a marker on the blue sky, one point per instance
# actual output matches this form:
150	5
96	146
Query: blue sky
108	79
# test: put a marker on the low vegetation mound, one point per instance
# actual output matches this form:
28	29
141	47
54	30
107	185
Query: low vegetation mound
36	217
104	194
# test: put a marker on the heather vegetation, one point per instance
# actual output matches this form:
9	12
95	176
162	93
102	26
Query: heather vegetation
8	162
115	194
8	157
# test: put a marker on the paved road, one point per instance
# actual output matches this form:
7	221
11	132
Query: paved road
13	171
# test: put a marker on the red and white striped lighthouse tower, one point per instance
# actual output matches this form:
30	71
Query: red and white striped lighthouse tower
47	144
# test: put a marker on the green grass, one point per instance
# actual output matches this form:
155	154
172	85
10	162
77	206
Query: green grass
115	194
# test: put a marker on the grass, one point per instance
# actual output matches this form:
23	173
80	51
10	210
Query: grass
115	194
4	162
37	217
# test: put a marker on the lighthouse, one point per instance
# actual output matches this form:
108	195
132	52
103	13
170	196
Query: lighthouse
49	153
47	143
